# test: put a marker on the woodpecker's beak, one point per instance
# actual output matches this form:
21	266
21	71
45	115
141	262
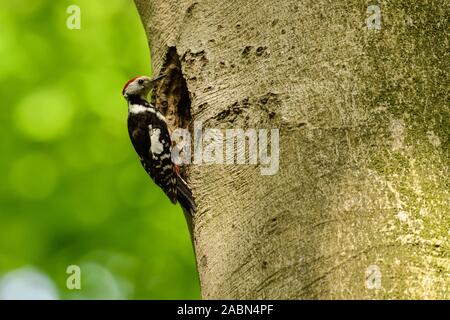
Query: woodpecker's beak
157	77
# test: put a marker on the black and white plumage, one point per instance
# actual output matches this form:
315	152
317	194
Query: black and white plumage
150	137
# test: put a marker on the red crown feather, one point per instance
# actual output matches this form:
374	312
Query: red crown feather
128	82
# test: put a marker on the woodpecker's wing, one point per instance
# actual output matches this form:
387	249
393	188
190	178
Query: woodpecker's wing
151	139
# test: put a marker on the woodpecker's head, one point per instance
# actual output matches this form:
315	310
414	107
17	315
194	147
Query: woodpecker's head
139	86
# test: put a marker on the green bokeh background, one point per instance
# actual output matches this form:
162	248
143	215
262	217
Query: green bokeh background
72	190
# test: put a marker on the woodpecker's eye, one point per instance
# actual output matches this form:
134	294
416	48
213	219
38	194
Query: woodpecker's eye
141	81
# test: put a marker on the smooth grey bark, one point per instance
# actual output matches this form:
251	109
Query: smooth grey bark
360	206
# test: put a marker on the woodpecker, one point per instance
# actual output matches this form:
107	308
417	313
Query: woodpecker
150	137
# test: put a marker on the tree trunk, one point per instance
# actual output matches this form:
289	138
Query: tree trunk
359	207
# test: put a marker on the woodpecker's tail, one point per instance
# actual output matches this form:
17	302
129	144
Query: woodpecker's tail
184	196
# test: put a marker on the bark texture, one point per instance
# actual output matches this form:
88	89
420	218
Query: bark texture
362	193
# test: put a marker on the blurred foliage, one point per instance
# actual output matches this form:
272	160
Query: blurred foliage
73	190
